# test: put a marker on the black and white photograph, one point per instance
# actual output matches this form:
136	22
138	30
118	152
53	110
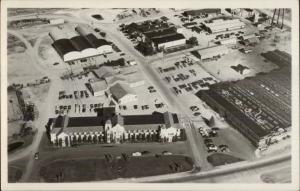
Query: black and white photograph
142	95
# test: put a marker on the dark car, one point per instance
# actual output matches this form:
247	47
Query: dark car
215	128
206	141
197	114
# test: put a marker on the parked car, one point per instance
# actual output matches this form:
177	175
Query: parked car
36	156
197	114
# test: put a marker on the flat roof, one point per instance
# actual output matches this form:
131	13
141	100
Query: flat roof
177	36
219	25
103	72
99	85
202	11
213	50
236	112
278	57
161	32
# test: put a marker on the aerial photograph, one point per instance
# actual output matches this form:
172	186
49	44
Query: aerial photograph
149	95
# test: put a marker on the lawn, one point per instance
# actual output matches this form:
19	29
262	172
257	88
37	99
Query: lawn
16	169
14	174
218	159
80	170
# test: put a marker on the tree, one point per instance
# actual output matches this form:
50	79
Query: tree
193	41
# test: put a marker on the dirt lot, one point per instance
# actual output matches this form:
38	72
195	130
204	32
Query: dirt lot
20	69
101	169
14	45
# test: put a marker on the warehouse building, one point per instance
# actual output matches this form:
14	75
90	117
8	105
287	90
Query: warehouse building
73	45
169	41
228	41
107	78
122	93
98	88
110	127
258	107
212	52
221	25
202	12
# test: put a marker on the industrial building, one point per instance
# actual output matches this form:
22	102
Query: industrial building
109	127
221	25
258	107
98	88
106	78
228	41
169	41
78	44
201	12
212	52
122	93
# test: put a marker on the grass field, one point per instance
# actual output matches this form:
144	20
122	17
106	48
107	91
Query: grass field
277	176
14	45
16	169
218	159
101	169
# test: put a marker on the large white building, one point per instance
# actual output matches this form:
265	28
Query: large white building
221	25
109	127
169	41
75	45
211	52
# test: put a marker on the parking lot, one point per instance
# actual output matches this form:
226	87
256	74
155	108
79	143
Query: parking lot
75	99
184	75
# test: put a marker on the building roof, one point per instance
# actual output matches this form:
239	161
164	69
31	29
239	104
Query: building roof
154	118
161	32
201	11
107	115
221	24
119	90
170	38
96	42
236	112
103	72
83	31
63	46
98	86
141	127
212	51
110	80
278	57
80	43
85	121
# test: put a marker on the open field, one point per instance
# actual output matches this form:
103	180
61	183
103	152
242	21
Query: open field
20	69
16	169
282	175
218	159
100	169
14	45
